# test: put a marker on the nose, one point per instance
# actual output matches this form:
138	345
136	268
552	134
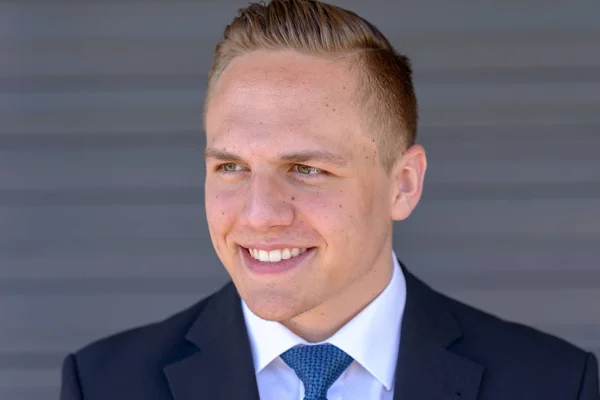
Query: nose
266	205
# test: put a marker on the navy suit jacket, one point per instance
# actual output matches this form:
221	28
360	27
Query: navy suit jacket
448	351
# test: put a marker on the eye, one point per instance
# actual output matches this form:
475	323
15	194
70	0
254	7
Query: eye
230	167
306	170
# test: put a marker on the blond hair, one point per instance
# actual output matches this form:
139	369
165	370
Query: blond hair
385	93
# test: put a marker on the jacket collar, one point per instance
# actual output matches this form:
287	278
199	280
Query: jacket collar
427	369
220	367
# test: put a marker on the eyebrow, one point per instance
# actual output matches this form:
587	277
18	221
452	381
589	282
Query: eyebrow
221	155
315	155
298	157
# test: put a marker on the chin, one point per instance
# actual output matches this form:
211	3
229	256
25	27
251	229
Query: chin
272	309
271	315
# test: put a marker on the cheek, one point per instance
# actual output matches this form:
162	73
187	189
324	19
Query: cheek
221	209
330	212
348	217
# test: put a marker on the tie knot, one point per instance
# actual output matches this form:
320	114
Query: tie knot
317	366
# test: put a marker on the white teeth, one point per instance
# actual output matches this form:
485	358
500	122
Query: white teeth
263	255
286	254
276	255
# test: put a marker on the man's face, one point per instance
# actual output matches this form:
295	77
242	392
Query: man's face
294	179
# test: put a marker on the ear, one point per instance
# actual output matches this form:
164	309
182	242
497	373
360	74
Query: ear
407	176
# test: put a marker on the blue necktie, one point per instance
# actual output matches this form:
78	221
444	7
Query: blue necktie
317	366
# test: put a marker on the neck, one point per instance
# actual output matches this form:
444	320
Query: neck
323	321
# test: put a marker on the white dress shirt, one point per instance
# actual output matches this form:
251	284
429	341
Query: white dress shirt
371	338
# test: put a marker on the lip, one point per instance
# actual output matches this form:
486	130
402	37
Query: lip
265	268
272	246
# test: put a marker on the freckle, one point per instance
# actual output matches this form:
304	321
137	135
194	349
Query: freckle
326	104
334	109
293	198
340	206
222	213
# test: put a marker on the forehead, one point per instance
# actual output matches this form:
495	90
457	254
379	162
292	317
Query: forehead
283	90
286	71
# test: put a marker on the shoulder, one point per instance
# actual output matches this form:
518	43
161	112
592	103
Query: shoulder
486	334
517	353
142	348
484	329
130	364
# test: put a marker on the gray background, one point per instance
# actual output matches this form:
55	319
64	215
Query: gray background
102	224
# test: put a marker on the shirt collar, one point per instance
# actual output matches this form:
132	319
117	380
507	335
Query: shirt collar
371	338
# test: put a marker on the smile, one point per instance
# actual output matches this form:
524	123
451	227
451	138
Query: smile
276	255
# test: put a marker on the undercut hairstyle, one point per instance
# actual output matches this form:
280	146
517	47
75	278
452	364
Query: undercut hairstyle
385	91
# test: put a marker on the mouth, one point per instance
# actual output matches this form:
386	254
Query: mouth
275	261
276	255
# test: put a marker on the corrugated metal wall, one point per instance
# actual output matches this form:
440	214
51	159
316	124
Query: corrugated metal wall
102	225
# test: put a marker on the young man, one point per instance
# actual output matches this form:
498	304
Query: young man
311	120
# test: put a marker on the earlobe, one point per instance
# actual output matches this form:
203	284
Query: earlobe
408	176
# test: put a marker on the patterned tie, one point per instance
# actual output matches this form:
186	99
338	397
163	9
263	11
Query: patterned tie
317	366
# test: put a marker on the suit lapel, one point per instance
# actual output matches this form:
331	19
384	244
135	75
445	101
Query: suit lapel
219	364
427	369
